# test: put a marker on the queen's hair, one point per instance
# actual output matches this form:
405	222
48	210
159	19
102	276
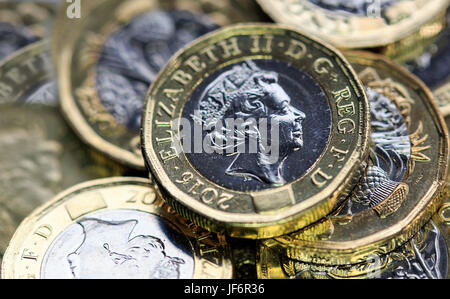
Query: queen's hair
236	94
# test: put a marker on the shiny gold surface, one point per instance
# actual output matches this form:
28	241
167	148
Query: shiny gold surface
348	31
422	257
338	240
274	211
26	252
442	220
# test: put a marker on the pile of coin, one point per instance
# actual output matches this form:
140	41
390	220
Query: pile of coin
225	139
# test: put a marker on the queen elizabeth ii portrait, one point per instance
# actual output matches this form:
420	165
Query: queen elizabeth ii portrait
108	251
119	244
262	123
266	127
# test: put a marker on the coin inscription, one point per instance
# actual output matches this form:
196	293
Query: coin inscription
119	47
389	158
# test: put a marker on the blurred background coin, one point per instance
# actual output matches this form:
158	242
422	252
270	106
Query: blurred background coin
113	228
107	59
425	256
255	130
356	24
24	22
39	154
432	66
407	171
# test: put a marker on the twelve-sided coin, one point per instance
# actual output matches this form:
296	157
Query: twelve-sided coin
113	228
407	171
256	130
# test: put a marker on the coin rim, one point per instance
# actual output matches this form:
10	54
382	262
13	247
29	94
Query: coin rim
256	226
12	252
63	54
386	36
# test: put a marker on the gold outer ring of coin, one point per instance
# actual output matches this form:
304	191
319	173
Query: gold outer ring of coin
77	44
273	264
442	220
36	53
270	212
415	44
353	32
352	239
37	233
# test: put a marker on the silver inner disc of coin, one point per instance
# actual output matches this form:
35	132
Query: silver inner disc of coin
114	244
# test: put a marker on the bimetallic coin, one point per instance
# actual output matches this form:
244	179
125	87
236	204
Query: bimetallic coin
400	190
39	154
113	228
356	23
256	130
423	257
431	66
116	50
22	23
